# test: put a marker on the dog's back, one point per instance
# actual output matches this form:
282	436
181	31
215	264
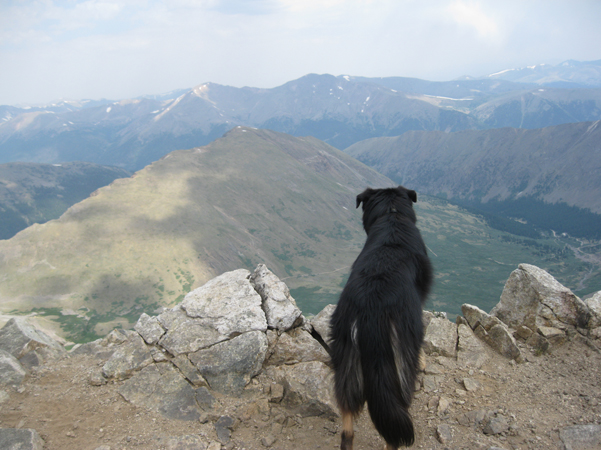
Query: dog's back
376	328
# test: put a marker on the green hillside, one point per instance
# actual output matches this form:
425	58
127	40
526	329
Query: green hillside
252	196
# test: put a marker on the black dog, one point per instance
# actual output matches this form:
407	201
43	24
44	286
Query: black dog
377	329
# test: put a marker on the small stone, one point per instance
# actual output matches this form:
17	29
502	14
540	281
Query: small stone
471	384
276	393
444	433
97	379
433	369
443	405
268	440
224	427
523	332
496	425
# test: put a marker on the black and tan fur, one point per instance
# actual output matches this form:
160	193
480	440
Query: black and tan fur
377	329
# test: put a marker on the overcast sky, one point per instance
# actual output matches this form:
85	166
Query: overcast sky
115	49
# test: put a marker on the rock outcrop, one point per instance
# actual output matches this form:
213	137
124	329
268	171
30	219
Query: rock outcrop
242	326
221	336
545	313
22	348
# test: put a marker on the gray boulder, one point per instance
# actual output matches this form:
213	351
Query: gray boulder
29	345
149	328
131	356
20	439
229	366
279	306
581	437
185	334
296	346
229	302
160	387
12	372
224	307
470	350
492	331
307	388
441	337
533	298
594	306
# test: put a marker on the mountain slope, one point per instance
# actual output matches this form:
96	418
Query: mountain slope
35	193
566	74
556	164
252	196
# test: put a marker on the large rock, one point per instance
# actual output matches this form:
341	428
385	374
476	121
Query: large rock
12	372
297	346
492	331
441	337
160	387
279	306
581	437
20	439
131	356
149	328
534	298
470	350
229	366
307	388
29	345
229	302
224	307
185	334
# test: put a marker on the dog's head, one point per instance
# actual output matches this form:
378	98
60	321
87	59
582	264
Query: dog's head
379	202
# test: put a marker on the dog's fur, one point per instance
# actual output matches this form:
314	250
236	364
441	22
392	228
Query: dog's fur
377	329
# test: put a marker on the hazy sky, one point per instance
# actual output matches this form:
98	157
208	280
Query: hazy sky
75	49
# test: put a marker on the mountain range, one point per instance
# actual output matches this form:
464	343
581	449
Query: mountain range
534	175
568	74
252	196
340	111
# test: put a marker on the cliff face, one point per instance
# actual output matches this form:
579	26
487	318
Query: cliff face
237	365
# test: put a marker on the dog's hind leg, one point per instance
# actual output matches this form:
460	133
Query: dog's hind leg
346	440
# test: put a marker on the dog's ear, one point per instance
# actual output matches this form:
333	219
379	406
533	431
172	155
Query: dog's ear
412	195
363	196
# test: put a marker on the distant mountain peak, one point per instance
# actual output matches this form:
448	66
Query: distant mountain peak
570	73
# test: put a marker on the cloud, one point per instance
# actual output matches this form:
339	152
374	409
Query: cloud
124	48
470	14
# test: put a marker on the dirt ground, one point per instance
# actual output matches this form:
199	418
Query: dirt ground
531	402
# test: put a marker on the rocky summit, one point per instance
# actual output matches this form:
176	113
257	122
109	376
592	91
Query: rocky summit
236	365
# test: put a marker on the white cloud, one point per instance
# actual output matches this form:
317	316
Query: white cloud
124	48
470	14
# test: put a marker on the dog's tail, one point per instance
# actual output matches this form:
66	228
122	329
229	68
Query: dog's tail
389	359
